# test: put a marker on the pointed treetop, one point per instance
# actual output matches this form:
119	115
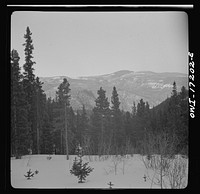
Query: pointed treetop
14	55
28	66
102	104
63	92
115	100
174	89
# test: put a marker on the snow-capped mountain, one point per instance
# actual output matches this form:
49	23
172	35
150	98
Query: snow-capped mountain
131	86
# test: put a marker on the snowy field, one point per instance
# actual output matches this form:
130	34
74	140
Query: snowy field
123	172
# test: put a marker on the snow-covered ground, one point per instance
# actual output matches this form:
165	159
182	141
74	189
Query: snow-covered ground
126	172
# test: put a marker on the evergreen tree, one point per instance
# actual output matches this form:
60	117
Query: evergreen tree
173	112
100	120
147	116
141	108
15	79
19	119
102	104
61	121
59	126
141	123
115	101
182	133
71	130
80	169
63	93
46	139
116	121
174	89
29	77
28	66
82	125
171	118
40	109
128	128
29	87
134	109
184	105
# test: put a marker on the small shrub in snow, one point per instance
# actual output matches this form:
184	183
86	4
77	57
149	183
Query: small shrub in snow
29	174
80	169
49	157
110	185
177	174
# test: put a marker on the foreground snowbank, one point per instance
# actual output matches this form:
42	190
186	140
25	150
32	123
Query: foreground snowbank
123	172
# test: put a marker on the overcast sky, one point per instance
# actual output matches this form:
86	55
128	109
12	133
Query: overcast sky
93	43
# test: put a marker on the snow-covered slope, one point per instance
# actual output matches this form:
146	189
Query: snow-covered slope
131	86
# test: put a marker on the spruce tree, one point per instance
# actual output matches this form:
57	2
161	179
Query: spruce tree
19	114
40	109
182	133
173	115
63	93
140	120
174	90
58	124
141	108
71	130
46	138
81	125
100	119
29	77
102	104
115	101
134	109
46	143
15	79
80	169
128	132
116	121
29	87
63	97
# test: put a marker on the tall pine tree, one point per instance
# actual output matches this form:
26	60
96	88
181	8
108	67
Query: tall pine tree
116	121
29	88
100	119
40	108
46	138
19	115
63	97
82	126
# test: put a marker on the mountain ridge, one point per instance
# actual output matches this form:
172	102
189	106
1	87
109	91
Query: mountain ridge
131	86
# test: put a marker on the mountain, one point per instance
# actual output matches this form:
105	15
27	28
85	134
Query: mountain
131	86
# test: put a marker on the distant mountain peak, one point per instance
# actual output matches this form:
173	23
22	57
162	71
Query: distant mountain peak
123	72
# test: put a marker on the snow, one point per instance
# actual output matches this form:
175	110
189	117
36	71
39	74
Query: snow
156	85
123	172
57	77
83	78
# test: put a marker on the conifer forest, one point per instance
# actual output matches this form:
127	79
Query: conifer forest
42	125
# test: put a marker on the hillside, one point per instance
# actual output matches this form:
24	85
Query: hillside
131	86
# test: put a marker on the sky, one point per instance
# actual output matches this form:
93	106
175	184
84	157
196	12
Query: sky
77	44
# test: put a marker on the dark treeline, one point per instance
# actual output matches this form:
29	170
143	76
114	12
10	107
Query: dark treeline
47	126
